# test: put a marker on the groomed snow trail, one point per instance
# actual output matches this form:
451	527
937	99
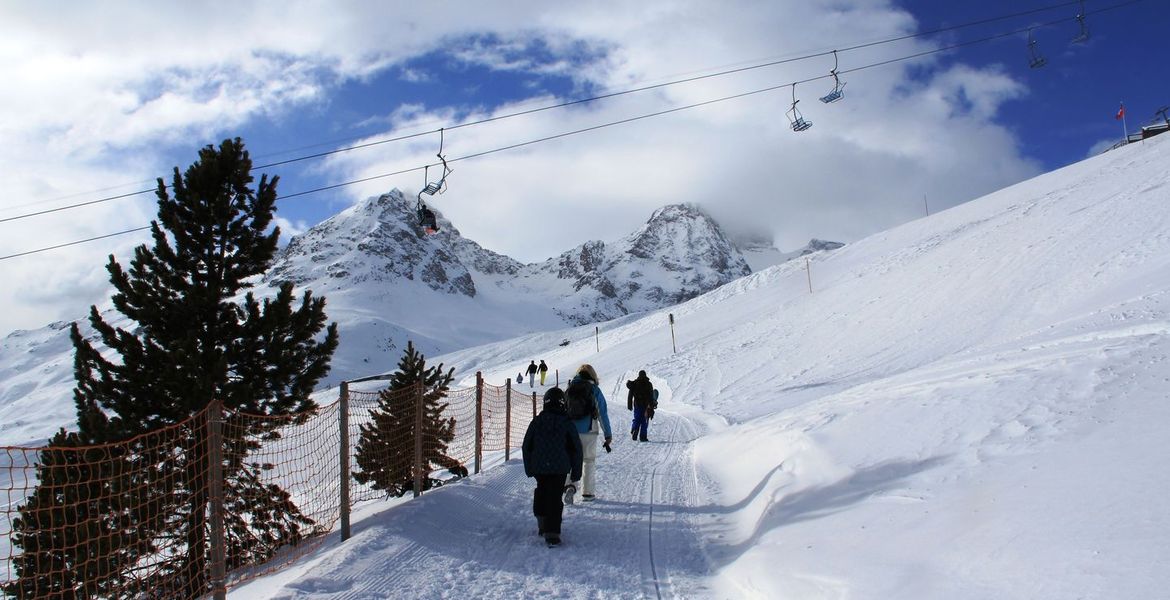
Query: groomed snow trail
477	538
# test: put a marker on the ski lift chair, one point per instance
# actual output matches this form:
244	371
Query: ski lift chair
1035	60
795	119
838	87
1083	36
426	217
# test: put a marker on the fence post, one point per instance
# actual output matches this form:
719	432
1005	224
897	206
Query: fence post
418	445
478	419
533	405
215	475
343	425
508	422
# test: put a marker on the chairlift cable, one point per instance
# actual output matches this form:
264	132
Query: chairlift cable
613	123
600	97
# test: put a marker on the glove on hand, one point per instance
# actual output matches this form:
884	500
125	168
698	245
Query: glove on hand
606	445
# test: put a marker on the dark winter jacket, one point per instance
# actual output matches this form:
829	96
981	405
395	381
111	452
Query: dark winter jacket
552	445
531	368
641	393
543	367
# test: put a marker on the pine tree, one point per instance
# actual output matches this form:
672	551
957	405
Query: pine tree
191	341
385	450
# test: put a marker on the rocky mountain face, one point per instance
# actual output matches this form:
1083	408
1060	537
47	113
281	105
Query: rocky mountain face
386	282
677	255
378	241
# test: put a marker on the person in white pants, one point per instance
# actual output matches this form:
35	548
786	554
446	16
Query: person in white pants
588	409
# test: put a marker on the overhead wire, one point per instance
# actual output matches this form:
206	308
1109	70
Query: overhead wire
599	126
568	103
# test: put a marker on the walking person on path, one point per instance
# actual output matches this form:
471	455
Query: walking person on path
552	450
532	374
543	372
642	399
587	407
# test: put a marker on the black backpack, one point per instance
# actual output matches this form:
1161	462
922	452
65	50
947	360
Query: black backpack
579	397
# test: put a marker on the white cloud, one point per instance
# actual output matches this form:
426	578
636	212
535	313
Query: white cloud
93	93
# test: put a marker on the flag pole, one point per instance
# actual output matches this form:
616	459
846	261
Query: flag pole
1124	127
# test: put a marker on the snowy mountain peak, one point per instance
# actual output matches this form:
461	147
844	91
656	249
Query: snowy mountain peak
678	254
379	240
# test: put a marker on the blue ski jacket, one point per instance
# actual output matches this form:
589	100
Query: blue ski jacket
585	424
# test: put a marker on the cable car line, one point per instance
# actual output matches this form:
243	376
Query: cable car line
446	162
1080	17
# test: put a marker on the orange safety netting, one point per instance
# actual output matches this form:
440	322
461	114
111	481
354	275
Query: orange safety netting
138	518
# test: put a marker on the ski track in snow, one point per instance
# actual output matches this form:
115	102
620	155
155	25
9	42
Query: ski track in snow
639	539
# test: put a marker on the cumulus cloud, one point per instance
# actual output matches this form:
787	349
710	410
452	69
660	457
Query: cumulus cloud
95	94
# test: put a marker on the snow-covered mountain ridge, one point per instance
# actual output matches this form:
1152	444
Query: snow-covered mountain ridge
385	282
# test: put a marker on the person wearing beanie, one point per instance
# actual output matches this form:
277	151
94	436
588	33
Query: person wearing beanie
587	408
642	399
552	450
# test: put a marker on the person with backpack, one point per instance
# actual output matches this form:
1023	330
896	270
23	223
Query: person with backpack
642	399
586	405
532	374
543	372
552	451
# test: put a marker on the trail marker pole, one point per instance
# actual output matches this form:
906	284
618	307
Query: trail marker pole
673	343
597	336
808	270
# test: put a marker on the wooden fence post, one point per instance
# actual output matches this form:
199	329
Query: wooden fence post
478	420
508	422
215	475
343	425
533	405
418	445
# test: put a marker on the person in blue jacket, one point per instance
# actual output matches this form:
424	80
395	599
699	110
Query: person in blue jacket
586	378
552	450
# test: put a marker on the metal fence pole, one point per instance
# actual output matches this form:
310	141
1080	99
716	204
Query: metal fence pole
418	445
343	425
478	420
215	475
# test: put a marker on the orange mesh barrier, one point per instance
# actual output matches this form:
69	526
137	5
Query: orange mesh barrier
135	519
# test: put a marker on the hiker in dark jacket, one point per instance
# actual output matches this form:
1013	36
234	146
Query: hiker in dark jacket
641	400
552	450
531	374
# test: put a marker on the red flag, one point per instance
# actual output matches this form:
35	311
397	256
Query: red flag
1120	113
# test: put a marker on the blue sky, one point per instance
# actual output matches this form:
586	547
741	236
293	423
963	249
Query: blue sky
101	100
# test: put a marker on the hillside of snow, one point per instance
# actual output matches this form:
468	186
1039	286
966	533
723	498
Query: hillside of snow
385	283
972	405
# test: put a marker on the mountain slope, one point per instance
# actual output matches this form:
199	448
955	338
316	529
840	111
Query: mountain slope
968	406
385	283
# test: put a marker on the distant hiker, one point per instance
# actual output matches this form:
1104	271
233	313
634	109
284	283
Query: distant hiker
520	378
586	406
532	374
543	372
642	399
552	450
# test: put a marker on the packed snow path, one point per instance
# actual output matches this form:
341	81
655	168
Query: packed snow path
477	538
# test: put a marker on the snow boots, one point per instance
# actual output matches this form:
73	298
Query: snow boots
552	539
570	494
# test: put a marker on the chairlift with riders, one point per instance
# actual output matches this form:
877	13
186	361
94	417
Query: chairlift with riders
426	216
795	119
838	87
